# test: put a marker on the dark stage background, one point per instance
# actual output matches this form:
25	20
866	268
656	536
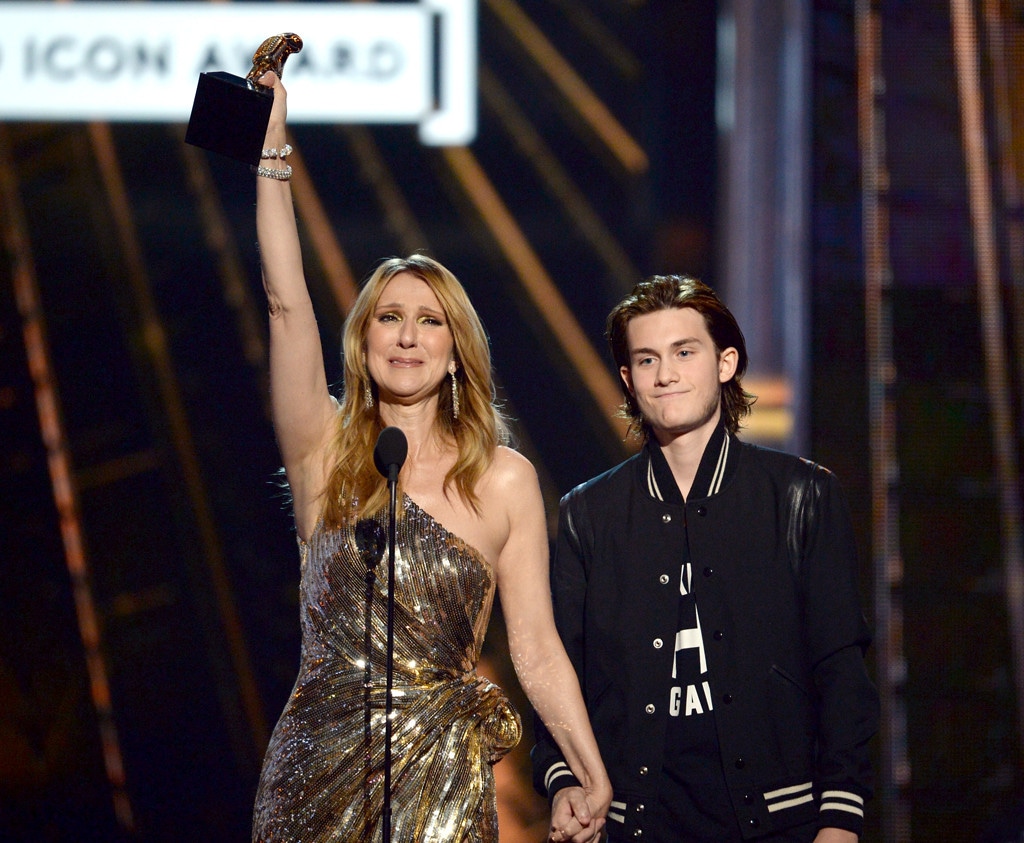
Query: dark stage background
148	571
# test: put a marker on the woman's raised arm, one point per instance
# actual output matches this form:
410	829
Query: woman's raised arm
302	406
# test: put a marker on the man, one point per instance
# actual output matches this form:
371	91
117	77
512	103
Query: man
706	593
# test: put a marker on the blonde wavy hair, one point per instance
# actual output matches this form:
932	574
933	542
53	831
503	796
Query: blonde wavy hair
355	489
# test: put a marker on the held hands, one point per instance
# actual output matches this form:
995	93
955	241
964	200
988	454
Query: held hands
577	816
573	819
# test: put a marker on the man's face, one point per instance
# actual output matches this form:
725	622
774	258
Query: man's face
674	372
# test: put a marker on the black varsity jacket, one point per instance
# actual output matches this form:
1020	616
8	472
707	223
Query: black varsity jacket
775	578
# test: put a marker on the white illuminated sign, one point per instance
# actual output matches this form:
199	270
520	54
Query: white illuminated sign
360	62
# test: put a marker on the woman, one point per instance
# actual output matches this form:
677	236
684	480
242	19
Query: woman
471	519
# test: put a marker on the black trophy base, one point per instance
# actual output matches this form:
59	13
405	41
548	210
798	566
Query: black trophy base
230	116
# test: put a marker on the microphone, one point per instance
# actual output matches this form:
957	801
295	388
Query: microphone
390	452
370	541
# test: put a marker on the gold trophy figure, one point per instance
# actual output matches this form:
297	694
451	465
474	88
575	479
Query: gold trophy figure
272	54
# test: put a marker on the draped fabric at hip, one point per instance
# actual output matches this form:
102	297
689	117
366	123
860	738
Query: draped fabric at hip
448	726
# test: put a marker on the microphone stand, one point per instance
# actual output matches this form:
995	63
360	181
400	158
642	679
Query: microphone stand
388	456
370	541
390	664
367	685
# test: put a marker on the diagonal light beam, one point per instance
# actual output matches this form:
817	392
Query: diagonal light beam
589	106
538	284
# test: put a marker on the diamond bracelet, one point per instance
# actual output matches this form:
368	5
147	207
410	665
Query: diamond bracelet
274	172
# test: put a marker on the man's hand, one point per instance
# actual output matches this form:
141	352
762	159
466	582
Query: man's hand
835	835
572	817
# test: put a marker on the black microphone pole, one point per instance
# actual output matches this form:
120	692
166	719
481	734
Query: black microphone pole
370	541
388	457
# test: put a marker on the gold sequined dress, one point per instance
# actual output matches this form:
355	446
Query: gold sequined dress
449	725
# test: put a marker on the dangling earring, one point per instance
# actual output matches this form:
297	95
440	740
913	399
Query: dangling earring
367	390
455	396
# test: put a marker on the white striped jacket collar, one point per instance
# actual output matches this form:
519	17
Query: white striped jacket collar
717	475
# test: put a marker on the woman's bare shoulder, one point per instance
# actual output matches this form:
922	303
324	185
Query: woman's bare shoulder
512	467
510	477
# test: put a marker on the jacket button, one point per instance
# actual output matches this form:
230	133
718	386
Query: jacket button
650	708
643	771
663	579
754	822
666	518
727	698
718	635
748	799
702	511
658	643
740	763
639	808
708	571
638	833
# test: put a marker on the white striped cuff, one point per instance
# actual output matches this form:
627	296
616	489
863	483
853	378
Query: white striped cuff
842	800
788	797
552	779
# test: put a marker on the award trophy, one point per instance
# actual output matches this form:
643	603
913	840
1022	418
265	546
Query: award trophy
230	114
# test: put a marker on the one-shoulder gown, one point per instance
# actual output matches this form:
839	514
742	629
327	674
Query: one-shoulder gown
321	779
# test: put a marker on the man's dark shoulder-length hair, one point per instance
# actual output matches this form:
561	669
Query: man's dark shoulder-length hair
663	292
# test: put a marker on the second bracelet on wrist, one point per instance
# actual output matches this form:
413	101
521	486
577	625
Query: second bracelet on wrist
273	153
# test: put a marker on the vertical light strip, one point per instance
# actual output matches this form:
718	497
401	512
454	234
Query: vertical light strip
1004	87
156	345
62	478
537	283
967	61
895	771
1007	86
589	106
